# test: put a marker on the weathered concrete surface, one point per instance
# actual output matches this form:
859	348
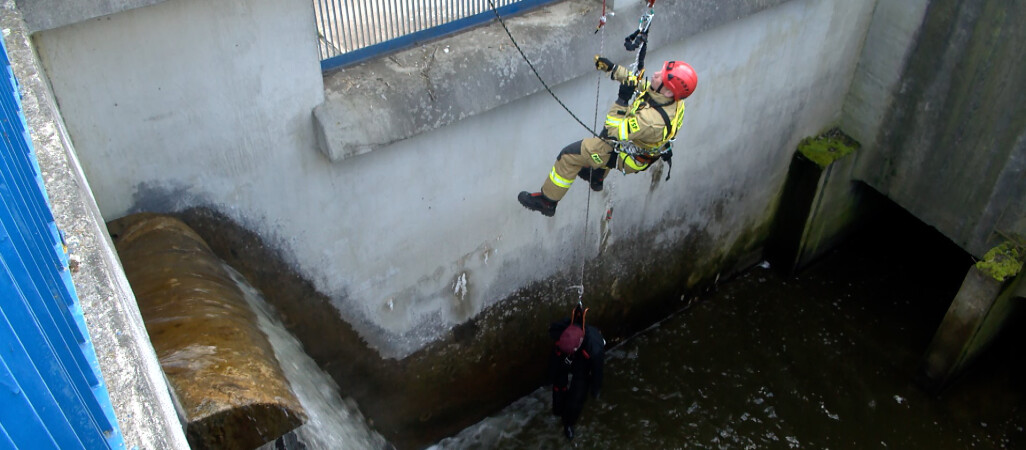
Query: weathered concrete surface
952	145
442	82
190	83
46	14
419	244
975	318
487	362
889	44
422	235
820	204
219	363
138	390
944	136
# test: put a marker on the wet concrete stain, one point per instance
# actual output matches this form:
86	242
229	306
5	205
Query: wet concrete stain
490	360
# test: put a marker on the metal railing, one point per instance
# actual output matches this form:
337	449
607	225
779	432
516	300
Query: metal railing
351	31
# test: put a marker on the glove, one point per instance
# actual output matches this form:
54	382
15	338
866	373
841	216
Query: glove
637	79
604	64
625	93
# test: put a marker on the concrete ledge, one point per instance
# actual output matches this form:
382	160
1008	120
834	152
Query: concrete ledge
42	15
447	80
138	390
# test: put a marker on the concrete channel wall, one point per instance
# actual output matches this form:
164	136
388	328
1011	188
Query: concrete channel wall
138	390
949	143
188	103
390	186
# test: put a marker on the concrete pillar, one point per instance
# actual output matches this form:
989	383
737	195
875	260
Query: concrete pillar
819	205
983	306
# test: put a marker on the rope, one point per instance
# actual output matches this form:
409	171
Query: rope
645	21
587	208
533	69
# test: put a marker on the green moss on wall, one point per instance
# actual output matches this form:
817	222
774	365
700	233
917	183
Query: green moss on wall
828	147
1003	262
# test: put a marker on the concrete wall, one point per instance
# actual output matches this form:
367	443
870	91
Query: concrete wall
209	103
951	144
138	391
48	14
426	87
888	47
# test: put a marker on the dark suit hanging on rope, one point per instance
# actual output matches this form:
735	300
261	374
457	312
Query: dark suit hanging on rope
575	367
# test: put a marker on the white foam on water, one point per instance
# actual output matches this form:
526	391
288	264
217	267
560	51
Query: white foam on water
498	429
334	422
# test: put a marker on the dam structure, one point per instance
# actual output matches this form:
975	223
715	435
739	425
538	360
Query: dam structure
374	205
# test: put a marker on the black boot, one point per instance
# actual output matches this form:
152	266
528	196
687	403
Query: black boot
537	202
584	174
597	177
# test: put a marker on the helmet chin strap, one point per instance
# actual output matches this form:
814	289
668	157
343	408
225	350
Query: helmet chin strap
660	87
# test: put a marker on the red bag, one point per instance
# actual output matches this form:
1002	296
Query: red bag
570	340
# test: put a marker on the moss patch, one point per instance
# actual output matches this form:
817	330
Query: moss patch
828	147
1003	262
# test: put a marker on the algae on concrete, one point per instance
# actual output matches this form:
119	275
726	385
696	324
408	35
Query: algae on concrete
827	148
1003	262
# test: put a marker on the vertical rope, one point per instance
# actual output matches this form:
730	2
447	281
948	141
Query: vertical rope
587	209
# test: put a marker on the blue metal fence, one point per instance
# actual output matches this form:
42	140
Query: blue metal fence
351	31
51	393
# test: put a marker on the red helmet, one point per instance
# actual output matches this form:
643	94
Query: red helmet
680	77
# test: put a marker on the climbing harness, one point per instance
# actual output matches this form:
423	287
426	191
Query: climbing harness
572	338
637	40
663	148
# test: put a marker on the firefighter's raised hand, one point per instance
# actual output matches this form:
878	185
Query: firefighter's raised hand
604	64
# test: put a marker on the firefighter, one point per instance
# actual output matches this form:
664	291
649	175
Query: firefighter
636	134
575	367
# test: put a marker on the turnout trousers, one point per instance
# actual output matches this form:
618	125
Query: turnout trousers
592	153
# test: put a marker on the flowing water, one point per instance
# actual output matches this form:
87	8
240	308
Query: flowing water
824	360
334	422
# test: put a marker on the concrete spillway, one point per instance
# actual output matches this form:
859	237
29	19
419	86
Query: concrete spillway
219	364
414	243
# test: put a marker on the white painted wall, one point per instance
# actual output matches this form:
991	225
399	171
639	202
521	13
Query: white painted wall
210	102
210	99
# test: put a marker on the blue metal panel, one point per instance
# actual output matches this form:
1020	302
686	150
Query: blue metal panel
5	440
27	398
412	39
50	390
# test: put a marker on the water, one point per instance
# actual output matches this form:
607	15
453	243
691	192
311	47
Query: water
827	360
334	422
